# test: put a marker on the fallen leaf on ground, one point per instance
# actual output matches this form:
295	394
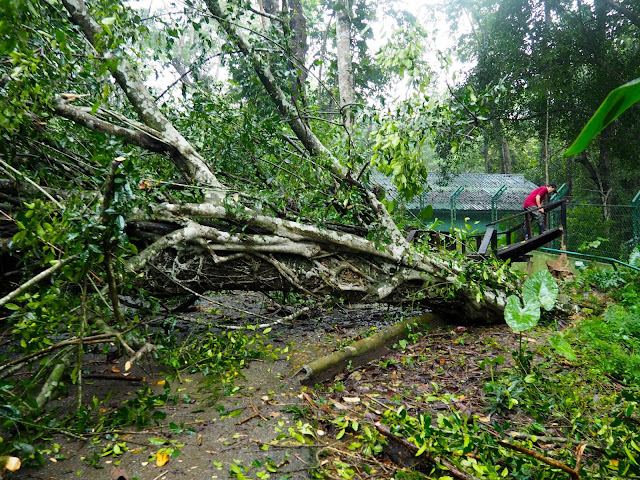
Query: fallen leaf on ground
351	399
161	458
12	464
118	473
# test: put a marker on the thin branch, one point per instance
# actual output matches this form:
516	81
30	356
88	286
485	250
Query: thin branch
107	242
266	15
52	382
38	278
549	461
27	179
74	341
439	462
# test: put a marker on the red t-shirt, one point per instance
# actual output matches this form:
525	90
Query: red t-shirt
531	199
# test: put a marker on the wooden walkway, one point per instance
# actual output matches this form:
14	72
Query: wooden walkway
487	244
517	252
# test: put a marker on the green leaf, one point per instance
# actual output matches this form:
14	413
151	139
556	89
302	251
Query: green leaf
426	213
518	318
563	348
10	412
634	258
540	288
157	441
613	106
12	306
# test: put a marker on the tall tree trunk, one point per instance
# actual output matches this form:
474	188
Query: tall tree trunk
299	48
604	175
270	7
545	146
505	154
345	74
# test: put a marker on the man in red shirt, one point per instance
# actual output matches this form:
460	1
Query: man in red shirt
535	199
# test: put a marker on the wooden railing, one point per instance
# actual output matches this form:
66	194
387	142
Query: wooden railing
529	214
488	241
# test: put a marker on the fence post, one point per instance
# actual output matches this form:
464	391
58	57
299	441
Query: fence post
635	216
494	202
563	222
553	216
452	202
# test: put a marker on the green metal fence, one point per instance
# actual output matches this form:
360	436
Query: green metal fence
608	231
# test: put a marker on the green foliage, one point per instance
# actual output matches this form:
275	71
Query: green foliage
611	108
521	318
220	357
539	290
613	343
622	285
402	55
502	396
563	347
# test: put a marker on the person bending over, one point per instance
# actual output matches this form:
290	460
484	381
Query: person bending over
535	199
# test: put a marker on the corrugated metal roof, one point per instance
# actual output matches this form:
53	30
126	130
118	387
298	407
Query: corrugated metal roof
476	190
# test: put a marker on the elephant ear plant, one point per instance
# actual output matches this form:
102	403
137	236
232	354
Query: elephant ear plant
540	290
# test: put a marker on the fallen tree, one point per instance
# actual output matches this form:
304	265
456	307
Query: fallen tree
186	231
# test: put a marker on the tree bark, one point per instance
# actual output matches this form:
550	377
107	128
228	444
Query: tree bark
189	161
342	13
299	47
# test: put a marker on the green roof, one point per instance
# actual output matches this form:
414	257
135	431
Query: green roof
472	191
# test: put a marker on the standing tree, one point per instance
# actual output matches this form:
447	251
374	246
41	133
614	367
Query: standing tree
559	60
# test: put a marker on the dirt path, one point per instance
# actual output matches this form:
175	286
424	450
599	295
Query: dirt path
242	435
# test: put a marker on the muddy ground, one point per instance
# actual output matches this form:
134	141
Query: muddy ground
247	433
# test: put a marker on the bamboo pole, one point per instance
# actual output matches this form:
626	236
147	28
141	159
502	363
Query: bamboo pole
363	351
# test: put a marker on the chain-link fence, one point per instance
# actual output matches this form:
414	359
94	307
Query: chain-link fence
607	231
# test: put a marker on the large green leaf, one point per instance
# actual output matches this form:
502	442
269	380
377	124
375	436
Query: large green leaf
563	347
634	259
616	102
518	318
540	288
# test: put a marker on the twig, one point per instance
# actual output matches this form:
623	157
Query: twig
47	194
83	327
548	439
575	474
146	348
284	271
65	343
256	413
106	376
579	452
107	242
288	318
161	475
